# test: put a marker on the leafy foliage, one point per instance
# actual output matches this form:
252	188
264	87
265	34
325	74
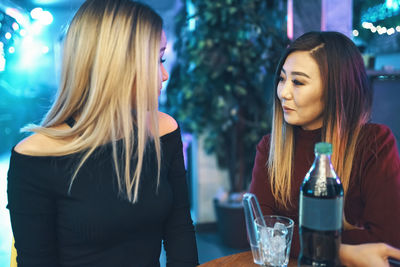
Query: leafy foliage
221	86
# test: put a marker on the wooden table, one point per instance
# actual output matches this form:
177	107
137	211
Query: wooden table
243	259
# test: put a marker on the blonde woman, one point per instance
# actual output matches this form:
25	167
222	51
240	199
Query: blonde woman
101	182
322	93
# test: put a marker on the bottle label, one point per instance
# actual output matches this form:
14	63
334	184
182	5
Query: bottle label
321	214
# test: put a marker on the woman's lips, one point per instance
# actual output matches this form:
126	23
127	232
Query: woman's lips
287	109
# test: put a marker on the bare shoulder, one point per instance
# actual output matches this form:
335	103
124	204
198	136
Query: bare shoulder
33	144
166	123
38	143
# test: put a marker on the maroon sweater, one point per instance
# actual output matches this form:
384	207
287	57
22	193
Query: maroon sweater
373	198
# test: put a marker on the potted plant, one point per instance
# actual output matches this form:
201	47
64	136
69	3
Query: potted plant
220	87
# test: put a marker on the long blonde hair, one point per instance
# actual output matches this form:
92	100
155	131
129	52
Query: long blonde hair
347	98
109	84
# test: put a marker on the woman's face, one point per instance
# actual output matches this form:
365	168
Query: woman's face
162	72
300	91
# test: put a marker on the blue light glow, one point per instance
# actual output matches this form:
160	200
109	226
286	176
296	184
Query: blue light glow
22	32
42	16
18	16
191	11
45	49
25	37
36	12
2	63
2	59
46	18
382	11
15	26
36	28
31	51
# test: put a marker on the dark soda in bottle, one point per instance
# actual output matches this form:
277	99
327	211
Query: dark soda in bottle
320	212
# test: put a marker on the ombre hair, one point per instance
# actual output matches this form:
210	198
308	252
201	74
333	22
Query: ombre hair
109	84
347	101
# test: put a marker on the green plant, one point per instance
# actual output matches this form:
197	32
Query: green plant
221	84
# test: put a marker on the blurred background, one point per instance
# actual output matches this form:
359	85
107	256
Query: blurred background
221	56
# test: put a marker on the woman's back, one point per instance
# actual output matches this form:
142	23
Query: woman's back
93	225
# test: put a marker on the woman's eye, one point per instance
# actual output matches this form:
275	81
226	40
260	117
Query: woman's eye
280	79
297	82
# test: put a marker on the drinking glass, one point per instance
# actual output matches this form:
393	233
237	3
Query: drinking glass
274	240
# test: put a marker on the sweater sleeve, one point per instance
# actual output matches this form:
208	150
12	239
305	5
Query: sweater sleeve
380	191
33	215
179	237
260	185
261	188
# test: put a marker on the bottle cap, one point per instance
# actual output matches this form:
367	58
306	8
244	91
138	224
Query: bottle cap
323	148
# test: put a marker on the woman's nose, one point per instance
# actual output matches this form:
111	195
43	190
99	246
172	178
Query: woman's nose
285	90
165	75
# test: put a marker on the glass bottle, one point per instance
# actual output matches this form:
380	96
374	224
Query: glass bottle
320	212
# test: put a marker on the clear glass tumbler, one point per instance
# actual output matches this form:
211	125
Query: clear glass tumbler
274	241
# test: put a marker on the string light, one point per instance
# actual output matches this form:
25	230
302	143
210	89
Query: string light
390	31
380	29
15	26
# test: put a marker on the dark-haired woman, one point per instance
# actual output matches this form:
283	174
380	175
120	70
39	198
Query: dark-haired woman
322	94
